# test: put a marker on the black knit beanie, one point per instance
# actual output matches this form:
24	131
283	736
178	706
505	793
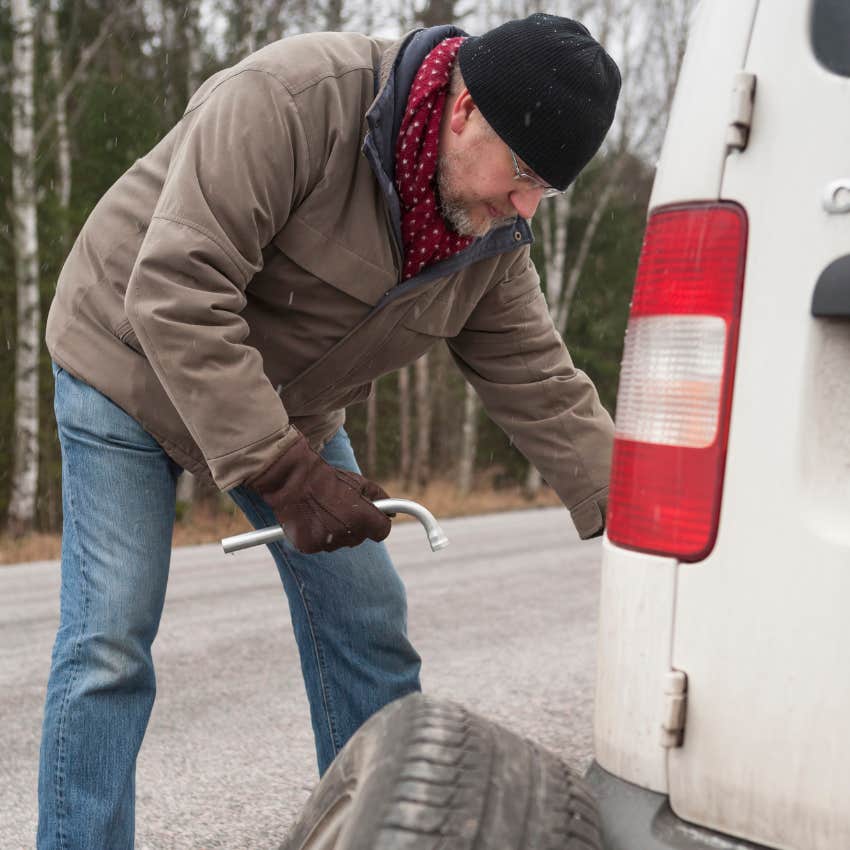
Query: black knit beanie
547	88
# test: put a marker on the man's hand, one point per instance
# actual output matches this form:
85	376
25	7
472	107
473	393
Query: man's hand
321	508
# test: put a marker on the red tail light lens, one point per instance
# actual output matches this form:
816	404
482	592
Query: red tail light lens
676	380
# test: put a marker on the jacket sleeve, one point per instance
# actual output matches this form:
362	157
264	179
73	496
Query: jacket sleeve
238	167
516	360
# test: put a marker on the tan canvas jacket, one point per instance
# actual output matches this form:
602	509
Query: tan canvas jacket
243	277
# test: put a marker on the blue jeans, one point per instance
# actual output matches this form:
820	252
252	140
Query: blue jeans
348	610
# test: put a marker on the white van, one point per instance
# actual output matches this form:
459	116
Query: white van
722	716
723	691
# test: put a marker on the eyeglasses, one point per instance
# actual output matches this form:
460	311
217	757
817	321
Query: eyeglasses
534	180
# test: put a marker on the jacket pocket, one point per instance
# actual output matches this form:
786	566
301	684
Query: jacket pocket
334	263
127	335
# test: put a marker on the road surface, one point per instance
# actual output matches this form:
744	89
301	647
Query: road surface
505	620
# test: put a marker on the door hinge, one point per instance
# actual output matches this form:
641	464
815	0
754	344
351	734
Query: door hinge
741	112
674	709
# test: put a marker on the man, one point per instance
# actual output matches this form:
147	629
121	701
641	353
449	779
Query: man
323	213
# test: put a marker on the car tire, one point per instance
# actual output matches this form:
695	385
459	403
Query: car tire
425	774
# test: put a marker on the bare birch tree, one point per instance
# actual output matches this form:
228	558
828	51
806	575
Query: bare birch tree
250	15
291	17
168	34
372	431
25	237
436	12
469	441
63	141
405	464
651	39
191	33
368	15
334	20
554	215
421	471
192	37
78	75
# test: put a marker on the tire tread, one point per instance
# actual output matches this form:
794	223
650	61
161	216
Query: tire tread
428	774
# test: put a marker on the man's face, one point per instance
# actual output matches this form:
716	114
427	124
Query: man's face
475	176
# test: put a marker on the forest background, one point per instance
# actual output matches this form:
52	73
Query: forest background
88	86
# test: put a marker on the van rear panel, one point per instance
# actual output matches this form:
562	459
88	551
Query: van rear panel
638	590
761	626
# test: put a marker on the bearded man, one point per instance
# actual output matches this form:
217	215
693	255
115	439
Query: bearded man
322	214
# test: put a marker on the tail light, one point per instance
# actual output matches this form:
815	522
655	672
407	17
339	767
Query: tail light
676	380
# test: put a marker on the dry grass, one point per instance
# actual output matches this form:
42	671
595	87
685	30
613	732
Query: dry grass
209	522
30	547
443	499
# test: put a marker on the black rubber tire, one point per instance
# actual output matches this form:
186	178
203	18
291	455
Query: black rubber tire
425	774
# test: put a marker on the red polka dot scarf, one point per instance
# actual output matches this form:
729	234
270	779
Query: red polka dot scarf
426	236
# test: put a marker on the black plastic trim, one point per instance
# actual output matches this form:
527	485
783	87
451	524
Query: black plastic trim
830	32
632	818
831	298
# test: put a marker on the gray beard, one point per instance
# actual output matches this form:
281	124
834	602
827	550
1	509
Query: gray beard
453	211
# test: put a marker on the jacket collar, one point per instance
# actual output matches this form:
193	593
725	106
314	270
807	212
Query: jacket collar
394	77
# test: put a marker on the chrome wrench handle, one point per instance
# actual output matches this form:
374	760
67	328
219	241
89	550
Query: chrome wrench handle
436	536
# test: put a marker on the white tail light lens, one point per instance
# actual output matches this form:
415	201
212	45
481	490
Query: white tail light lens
671	379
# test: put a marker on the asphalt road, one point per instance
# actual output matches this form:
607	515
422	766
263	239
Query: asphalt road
505	620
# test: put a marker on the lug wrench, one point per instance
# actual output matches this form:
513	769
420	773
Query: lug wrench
436	535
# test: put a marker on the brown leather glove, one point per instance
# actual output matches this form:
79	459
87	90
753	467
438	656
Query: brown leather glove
322	508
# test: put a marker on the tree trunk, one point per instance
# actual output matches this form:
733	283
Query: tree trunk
560	295
603	199
25	463
368	15
404	424
372	432
63	143
533	482
466	467
255	21
170	95
555	215
437	12
187	484
186	488
49	486
275	17
333	15
87	55
443	406
192	37
422	457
